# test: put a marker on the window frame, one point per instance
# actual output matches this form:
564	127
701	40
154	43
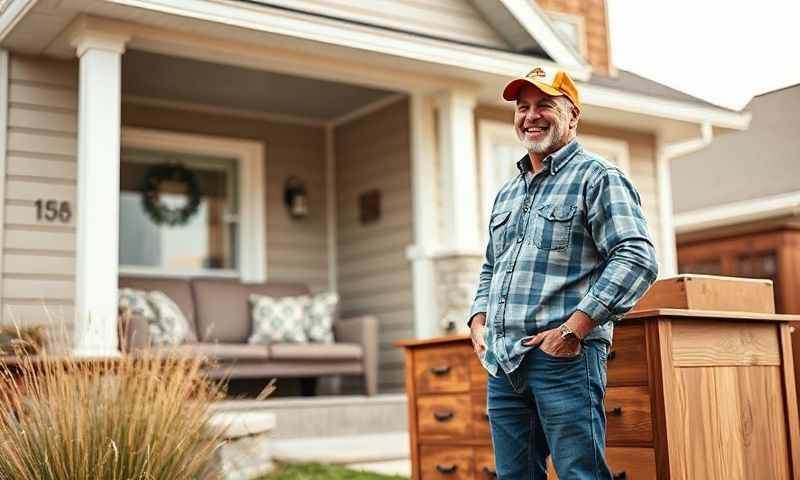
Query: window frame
249	157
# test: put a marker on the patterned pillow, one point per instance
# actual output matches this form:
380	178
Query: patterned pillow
320	315
137	303
172	326
278	320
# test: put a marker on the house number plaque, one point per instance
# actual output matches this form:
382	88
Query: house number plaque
52	210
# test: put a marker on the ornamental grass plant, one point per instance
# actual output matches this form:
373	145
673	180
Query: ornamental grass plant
126	418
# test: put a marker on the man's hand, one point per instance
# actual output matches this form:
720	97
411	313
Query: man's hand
477	328
551	342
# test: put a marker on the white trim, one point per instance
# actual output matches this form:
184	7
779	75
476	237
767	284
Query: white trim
222	111
332	210
12	14
250	158
161	273
367	109
491	132
532	19
738	212
580	23
619	147
4	74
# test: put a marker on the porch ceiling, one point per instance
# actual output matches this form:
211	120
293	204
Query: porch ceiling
162	77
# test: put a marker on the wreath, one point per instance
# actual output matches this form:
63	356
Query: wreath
160	213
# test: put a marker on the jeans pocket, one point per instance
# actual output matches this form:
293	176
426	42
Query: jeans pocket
565	359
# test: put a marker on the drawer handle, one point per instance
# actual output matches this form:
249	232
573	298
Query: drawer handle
446	469
443	416
612	354
439	371
489	472
619	475
615	412
486	416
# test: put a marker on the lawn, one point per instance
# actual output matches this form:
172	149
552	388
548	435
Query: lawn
314	471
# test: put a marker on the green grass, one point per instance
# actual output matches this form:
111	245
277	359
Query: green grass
315	471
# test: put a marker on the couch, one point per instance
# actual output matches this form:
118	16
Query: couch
219	312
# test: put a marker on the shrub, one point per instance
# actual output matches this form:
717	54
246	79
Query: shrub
143	417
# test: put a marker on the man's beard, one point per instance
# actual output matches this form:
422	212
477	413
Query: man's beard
554	135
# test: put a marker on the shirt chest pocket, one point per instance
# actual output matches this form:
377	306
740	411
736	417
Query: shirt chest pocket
552	226
498	231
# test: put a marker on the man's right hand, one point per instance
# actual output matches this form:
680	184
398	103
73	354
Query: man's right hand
477	328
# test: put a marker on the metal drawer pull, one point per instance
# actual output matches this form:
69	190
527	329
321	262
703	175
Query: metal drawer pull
615	412
619	475
443	416
446	469
440	370
612	354
489	472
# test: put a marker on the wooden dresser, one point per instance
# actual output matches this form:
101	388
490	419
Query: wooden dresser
691	395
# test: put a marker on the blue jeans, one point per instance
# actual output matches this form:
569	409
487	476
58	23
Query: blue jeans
551	405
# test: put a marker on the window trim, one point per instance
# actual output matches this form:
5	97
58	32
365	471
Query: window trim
249	156
619	147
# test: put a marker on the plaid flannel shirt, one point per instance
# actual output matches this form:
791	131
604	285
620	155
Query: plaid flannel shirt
572	237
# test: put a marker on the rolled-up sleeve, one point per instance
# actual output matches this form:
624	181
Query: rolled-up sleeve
620	233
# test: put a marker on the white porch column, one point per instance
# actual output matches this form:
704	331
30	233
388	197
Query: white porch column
424	192
459	171
98	193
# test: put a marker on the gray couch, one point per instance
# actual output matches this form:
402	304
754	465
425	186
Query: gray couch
219	312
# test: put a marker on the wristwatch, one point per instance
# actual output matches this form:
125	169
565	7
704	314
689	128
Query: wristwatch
567	333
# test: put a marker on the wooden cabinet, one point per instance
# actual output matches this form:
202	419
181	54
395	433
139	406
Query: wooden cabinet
691	395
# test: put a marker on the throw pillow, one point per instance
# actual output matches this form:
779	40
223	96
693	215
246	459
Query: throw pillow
320	315
137	303
173	326
278	320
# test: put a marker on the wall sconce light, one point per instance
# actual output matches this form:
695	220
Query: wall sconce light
295	198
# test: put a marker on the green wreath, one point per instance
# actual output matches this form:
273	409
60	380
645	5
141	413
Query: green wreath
160	213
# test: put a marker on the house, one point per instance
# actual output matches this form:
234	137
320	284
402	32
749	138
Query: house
354	146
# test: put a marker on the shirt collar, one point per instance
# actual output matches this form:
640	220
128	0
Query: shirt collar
555	161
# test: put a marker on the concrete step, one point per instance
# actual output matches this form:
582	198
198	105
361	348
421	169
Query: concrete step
344	450
328	417
400	468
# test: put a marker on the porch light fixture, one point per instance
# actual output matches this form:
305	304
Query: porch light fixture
295	198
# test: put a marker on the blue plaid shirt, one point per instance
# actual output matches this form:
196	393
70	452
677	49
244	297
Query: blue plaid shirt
572	237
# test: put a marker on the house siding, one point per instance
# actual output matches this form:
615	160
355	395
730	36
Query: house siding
374	276
38	277
296	250
455	20
642	167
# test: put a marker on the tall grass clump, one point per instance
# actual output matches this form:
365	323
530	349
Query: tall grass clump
133	417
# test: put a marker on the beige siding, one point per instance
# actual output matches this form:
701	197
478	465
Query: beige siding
296	249
642	162
39	256
373	153
447	19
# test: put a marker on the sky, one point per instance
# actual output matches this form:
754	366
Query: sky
723	51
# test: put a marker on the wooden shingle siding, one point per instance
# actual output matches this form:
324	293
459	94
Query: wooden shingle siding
296	249
594	13
455	20
39	256
374	276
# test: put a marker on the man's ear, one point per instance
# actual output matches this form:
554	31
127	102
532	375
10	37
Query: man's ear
574	116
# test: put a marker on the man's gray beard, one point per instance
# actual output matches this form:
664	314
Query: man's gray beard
555	134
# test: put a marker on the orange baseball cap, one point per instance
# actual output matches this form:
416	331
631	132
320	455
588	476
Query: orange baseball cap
550	81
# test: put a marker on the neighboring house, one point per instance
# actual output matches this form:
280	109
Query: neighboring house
737	202
386	113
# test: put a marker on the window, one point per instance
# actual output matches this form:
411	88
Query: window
571	28
224	237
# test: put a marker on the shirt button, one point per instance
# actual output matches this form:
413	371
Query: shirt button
519	240
509	270
502	299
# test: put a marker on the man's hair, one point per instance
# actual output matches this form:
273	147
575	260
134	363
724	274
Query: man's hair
566	105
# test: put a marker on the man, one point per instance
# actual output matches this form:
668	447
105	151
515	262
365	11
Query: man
569	254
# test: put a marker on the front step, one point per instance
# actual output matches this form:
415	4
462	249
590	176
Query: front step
352	450
328	417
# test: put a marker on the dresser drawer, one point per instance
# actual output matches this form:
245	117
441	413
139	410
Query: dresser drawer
444	415
480	417
442	369
631	463
446	463
625	464
627	360
478	376
484	464
628	417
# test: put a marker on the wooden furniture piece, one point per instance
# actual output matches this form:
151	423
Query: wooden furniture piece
691	395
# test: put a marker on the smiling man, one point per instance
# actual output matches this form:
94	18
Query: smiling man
569	253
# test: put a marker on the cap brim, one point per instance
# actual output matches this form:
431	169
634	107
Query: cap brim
511	91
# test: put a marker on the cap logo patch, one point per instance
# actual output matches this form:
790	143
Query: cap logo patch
537	72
